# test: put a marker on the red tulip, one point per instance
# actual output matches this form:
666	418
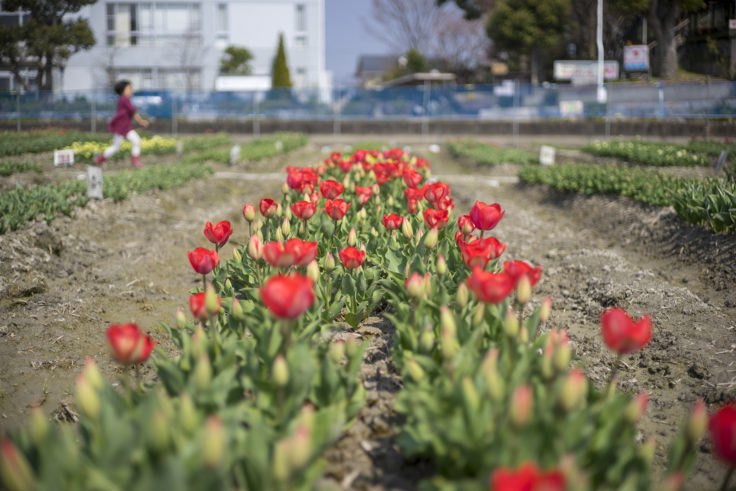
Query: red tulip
392	221
336	209
478	252
436	191
331	189
527	478
197	306
288	296
335	156
622	334
484	216
436	218
219	233
321	169
129	344
268	207
394	153
722	426
445	204
490	287
345	165
465	224
295	252
411	177
304	251
421	163
363	194
352	257
416	194
412	206
304	209
517	269
249	212
202	260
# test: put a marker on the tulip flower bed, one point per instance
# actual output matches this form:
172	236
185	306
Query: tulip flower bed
490	154
24	205
14	143
648	153
155	145
708	202
265	377
259	148
8	168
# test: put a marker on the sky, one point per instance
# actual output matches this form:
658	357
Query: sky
347	36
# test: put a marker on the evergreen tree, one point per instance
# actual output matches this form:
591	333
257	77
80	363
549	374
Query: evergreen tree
280	72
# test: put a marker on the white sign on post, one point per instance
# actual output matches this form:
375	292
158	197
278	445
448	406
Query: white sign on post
636	58
279	145
234	154
94	182
179	148
63	158
547	155
721	159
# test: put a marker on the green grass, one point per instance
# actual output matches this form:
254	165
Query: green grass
489	154
257	149
8	168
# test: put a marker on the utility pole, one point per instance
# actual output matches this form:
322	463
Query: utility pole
602	96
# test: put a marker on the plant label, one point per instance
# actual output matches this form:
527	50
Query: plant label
721	159
279	146
234	154
94	182
63	158
179	148
547	155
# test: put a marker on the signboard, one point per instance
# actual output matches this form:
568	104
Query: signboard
636	58
234	154
546	155
63	158
94	182
584	71
732	23
571	109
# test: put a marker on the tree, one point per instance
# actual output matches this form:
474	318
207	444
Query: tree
461	46
48	40
405	24
236	61
474	9
528	27
280	71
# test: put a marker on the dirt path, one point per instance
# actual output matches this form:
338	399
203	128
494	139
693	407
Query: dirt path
62	284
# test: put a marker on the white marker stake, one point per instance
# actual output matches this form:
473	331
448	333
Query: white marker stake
63	158
279	146
234	154
94	182
547	155
721	159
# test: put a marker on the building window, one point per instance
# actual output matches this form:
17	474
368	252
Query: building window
301	17
221	34
148	24
8	19
300	40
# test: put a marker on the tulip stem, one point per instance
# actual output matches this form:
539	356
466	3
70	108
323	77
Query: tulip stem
614	370
286	334
729	473
204	282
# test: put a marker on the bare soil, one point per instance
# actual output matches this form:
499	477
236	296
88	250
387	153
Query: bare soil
62	284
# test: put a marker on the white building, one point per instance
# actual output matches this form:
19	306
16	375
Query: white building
162	44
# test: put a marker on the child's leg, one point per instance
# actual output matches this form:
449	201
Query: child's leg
117	140
134	140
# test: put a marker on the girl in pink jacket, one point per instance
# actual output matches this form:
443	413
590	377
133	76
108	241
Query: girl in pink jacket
121	127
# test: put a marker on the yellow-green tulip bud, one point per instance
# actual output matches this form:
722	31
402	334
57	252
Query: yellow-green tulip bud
447	320
479	315
647	450
337	350
188	413
210	300
416	372
441	265
286	227
523	290
462	295
237	256
407	230
545	310
92	374
313	271
202	373
426	340
330	262
352	237
87	398
158	432
279	235
199	340
431	239
522	400
237	311
213	446
573	389
38	426
697	423
280	371
511	324
285	188
15	472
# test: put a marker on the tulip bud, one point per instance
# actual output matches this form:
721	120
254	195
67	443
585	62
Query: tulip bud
87	398
426	340
636	408
545	310
279	211
478	315
237	256
202	373
330	262
697	423
573	389
38	426
181	319
352	237
548	369
376	188
511	323
92	374
362	214
301	447
390	201
562	356
213	446
157	435
414	286
415	370
352	347
521	405
280	371
523	290
447	320
255	247
494	382
237	311
198	342
523	335
249	212
188	413
441	265
647	450
15	471
407	230
285	188
210	300
286	227
430	241
288	214
448	344
470	395
279	236
337	350
461	297
313	271
280	461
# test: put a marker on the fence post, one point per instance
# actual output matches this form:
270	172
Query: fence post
93	115
517	103
256	116
661	99
17	110
336	129
707	108
425	119
173	116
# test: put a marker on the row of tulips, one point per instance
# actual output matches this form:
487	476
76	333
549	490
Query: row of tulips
265	379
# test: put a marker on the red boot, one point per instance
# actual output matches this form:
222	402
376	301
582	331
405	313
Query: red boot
135	160
100	159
